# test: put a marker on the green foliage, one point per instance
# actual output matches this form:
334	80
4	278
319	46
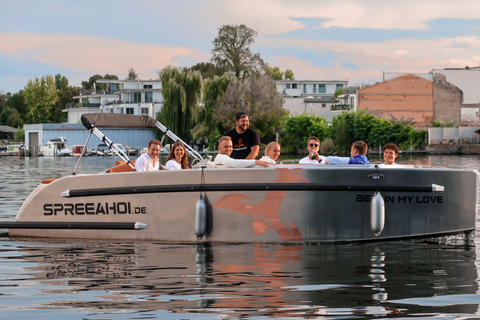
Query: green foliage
132	75
208	70
327	146
275	73
19	135
212	90
354	126
258	97
338	92
40	97
297	129
438	123
11	117
61	83
231	50
180	91
289	75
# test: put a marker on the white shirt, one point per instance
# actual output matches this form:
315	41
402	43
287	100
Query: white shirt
268	159
172	164
390	165
307	160
145	163
228	162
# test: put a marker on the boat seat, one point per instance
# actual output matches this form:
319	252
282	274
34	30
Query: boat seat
121	166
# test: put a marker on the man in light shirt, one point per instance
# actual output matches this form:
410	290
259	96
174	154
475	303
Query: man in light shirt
390	153
149	161
225	148
313	146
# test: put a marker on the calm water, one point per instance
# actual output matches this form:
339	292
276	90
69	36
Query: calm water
148	280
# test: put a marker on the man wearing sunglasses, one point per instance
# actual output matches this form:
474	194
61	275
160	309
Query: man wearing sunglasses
313	145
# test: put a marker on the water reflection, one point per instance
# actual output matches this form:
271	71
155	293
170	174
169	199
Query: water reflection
235	281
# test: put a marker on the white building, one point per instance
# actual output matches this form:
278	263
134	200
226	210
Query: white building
138	97
313	97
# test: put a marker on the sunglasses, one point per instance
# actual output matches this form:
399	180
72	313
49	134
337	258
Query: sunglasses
315	145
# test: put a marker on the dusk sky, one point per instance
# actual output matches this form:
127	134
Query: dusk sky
350	40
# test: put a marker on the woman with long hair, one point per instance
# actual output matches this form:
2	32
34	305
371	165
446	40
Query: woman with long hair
177	159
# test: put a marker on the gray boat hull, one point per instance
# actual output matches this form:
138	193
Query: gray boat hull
283	203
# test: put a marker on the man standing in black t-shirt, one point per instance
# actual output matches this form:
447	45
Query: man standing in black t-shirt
246	141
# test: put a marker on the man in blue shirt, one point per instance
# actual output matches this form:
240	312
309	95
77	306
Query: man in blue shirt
357	155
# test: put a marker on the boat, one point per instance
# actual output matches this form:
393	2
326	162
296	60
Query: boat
56	147
8	148
285	203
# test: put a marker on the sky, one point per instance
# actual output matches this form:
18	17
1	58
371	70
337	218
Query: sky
354	40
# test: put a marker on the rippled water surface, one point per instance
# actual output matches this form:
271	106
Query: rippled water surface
149	280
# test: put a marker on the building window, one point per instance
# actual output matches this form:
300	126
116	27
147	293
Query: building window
324	105
339	86
147	86
148	97
129	110
288	85
137	97
321	88
144	111
314	88
294	86
304	88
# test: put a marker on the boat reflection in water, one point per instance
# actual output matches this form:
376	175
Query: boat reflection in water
230	281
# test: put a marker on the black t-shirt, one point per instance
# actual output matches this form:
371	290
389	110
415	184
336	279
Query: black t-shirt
242	143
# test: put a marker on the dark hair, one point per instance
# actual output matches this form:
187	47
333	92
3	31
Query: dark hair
361	147
240	115
313	138
154	141
391	146
171	155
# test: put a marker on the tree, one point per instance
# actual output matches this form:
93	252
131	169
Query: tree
274	73
338	92
256	95
64	98
61	83
231	50
208	130
88	85
208	70
181	91
11	117
289	75
132	75
40	97
298	129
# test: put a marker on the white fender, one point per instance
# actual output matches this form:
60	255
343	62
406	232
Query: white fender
200	218
377	214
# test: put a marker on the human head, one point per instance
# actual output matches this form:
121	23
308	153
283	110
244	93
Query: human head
358	148
225	145
313	143
242	121
273	150
390	153
179	149
154	147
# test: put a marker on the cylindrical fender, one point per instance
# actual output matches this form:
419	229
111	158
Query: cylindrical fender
200	218
377	214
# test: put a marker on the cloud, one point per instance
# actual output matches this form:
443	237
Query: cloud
92	55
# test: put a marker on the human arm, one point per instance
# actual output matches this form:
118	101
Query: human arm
337	160
253	152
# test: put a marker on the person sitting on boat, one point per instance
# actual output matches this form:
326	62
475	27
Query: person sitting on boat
246	141
357	155
225	147
177	159
390	153
313	146
149	160
272	152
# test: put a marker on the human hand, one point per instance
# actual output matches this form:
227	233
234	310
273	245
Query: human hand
262	163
